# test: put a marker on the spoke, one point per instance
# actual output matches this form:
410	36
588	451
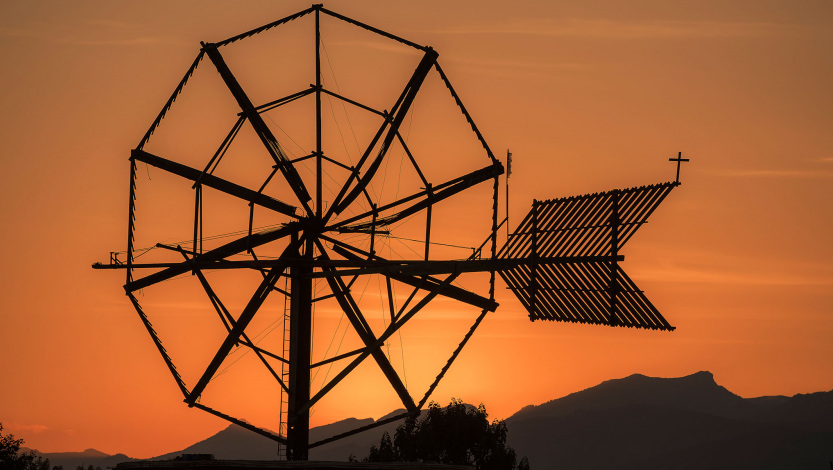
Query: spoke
354	314
214	182
428	283
392	328
399	111
229	320
214	256
261	129
245	317
424	198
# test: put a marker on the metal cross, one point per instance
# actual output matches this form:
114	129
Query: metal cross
679	160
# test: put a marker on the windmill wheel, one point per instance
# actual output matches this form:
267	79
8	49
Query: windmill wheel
270	198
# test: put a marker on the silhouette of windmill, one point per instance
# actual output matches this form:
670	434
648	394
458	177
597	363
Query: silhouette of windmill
562	261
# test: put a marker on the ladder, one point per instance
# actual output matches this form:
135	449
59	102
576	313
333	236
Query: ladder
282	423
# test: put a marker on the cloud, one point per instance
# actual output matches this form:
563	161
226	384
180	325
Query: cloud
28	428
609	29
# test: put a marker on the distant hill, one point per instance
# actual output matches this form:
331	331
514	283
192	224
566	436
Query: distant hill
636	422
96	458
236	443
691	422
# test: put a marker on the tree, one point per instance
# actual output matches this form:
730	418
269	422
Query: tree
457	434
384	453
12	459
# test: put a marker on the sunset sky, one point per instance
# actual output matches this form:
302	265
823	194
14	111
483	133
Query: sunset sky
588	96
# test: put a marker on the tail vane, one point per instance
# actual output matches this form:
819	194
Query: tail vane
592	227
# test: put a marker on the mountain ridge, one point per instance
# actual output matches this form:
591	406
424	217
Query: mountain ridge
635	422
696	392
691	422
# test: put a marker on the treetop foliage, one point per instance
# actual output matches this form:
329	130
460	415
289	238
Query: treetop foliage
458	434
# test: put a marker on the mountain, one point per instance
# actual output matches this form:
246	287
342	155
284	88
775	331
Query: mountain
357	444
72	460
636	422
237	443
696	392
232	443
689	422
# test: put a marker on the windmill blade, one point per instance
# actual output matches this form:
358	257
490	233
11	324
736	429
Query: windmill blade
585	233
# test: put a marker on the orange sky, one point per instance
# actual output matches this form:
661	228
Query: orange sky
587	97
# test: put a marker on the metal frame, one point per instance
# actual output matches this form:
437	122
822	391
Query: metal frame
306	257
560	244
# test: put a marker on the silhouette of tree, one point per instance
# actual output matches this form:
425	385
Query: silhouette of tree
12	459
385	452
457	434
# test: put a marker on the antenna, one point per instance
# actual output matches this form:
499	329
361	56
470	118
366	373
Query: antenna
508	174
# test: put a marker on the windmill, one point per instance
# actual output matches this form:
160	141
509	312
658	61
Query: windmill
561	262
